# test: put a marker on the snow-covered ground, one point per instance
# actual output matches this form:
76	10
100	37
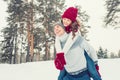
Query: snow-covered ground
45	70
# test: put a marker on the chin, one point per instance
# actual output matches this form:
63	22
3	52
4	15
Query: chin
65	25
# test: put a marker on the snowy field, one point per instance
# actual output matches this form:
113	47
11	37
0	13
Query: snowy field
46	70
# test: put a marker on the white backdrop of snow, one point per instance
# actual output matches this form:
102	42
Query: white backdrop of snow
45	70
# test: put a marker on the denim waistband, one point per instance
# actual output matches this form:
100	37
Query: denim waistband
78	72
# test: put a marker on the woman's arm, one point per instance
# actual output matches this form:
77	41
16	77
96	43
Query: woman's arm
90	50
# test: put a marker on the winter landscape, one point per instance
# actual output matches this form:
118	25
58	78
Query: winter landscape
45	70
107	38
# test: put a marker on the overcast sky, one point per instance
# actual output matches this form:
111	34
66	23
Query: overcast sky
106	37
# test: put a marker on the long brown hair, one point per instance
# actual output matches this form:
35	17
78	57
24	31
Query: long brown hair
74	27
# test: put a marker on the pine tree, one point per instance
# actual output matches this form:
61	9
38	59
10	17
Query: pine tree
15	29
113	13
119	54
49	12
105	53
101	53
113	55
7	45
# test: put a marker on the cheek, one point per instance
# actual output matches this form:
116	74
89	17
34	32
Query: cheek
62	32
67	23
55	31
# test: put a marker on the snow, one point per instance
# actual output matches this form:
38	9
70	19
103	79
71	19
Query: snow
109	69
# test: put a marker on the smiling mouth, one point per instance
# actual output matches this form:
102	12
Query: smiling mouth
65	24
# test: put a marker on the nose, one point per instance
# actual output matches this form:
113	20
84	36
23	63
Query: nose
56	29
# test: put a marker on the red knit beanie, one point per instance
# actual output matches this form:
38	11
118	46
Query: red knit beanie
70	13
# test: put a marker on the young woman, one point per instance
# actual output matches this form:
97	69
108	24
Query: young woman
70	58
69	20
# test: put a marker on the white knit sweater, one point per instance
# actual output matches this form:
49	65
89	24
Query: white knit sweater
74	51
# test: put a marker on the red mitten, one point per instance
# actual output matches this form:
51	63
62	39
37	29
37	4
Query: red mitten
97	68
59	61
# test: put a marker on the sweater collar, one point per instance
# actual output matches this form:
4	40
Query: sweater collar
63	37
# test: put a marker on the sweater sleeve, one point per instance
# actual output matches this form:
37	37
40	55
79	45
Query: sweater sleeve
90	50
58	45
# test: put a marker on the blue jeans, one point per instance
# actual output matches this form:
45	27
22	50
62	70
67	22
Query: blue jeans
91	67
66	76
62	74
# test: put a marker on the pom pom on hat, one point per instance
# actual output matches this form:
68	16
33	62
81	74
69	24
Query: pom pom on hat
70	13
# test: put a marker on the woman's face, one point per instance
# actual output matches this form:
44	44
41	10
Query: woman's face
66	21
58	30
